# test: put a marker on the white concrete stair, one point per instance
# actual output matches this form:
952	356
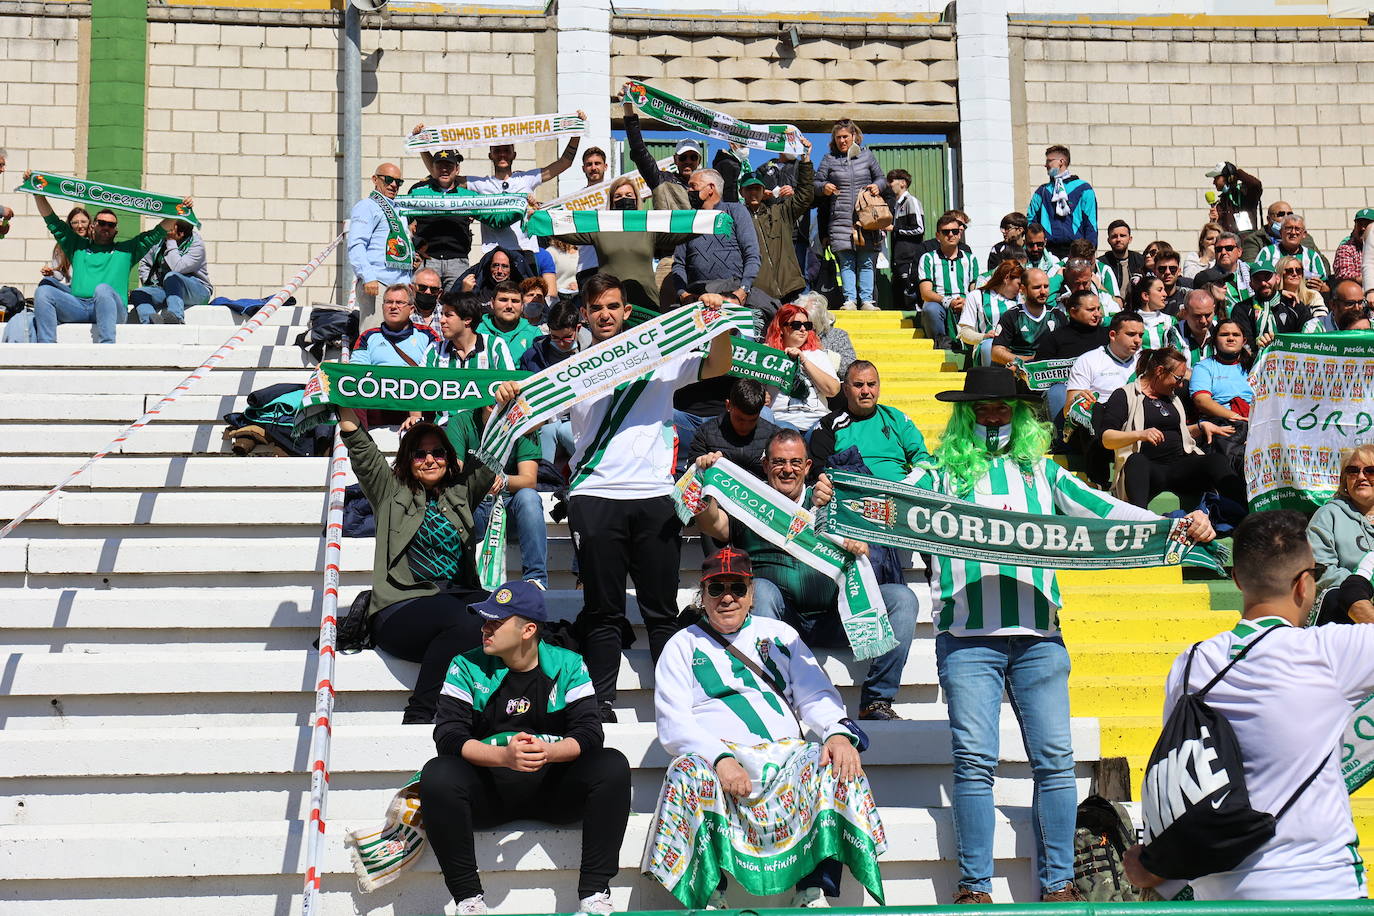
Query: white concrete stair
156	680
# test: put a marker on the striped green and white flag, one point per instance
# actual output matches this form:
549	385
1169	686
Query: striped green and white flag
568	222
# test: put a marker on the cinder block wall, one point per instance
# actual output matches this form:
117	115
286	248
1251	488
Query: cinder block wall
1147	111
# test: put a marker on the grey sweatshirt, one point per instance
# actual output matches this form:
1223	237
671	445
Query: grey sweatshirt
188	260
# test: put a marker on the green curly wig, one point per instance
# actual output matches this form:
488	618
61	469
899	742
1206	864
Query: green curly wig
963	452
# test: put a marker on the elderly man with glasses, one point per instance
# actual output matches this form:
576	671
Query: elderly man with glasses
379	246
1290	244
100	274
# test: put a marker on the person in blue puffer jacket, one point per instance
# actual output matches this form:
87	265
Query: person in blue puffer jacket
1066	205
396	341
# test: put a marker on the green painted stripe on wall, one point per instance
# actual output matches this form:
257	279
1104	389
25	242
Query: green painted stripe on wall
118	93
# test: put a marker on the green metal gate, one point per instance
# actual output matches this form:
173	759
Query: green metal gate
927	163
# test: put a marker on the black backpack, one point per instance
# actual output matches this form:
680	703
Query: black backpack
329	327
1194	802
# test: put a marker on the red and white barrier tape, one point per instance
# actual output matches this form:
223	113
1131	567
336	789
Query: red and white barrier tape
229	346
322	722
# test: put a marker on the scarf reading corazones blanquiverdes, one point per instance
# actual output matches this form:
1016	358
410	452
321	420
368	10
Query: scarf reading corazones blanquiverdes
494	132
777	138
911	518
399	252
784	524
627	356
470	204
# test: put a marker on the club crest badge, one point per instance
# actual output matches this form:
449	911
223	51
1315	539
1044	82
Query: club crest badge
503	596
517	707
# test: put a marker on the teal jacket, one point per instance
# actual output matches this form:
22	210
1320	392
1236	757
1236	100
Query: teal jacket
1341	538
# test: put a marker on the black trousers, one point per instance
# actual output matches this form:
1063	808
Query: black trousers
1189	476
431	631
457	798
638	538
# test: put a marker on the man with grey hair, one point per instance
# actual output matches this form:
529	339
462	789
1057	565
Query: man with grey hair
728	263
1292	232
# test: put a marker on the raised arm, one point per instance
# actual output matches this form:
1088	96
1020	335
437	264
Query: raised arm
639	150
560	165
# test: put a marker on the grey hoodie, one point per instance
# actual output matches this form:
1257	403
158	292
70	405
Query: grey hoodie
1341	537
188	260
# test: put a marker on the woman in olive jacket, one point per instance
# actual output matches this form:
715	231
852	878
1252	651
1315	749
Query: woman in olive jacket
424	571
845	171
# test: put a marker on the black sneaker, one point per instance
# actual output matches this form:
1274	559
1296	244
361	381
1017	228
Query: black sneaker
880	711
607	711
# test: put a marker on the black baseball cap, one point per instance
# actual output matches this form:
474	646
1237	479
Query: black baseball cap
448	155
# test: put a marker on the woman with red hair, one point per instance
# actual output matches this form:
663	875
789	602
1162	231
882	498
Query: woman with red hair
792	331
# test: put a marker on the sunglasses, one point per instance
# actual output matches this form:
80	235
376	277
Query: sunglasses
1280	214
1352	470
421	454
1167	268
801	325
108	224
388	180
421	288
1292	271
1317	572
718	589
950	231
1227	247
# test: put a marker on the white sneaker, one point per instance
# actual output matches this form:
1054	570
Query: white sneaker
849	306
717	901
811	897
537	584
599	903
869	306
472	905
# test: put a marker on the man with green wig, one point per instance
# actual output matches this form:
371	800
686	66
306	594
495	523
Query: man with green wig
998	629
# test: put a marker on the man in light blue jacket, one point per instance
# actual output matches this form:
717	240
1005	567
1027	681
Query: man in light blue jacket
379	247
397	341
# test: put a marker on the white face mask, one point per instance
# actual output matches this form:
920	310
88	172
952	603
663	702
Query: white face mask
998	437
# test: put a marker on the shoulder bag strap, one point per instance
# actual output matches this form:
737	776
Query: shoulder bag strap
402	353
753	666
1243	652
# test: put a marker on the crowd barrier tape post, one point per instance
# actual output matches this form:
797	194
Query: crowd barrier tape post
322	722
260	318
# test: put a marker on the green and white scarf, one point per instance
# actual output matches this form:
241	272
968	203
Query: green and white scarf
471	204
623	358
379	856
765	364
399	252
1314	395
98	194
422	388
491	557
1040	375
494	132
568	222
777	138
910	518
784	524
801	815
594	196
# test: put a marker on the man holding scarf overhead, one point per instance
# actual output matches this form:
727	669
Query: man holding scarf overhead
379	247
998	627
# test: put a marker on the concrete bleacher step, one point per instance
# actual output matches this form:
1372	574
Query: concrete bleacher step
199	335
149	355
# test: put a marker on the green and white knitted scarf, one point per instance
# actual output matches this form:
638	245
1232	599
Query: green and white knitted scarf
379	856
471	204
1040	375
784	524
399	252
762	363
568	222
776	138
422	388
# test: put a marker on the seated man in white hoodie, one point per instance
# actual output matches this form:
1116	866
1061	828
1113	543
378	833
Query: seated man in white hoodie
733	695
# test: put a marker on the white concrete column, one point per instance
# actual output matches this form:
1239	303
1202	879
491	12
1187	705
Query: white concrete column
984	120
584	74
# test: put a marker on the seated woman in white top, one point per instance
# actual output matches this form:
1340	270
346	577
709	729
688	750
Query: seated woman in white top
793	332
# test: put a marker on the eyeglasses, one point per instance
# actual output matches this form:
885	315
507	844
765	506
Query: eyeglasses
421	454
108	224
1356	471
717	589
1227	247
388	180
1347	303
800	325
421	288
796	463
1317	572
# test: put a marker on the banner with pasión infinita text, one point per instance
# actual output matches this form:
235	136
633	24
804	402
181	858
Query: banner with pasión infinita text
1314	396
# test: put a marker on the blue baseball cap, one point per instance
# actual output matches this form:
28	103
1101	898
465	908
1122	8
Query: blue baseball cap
513	598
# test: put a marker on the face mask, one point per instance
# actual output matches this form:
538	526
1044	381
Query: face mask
625	203
694	199
1053	172
426	301
1274	228
998	437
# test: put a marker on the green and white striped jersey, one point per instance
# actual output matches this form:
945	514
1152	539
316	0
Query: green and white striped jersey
987	599
948	276
1312	261
490	353
983	310
1160	331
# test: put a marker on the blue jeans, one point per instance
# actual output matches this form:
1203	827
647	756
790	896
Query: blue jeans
1034	673
553	434
526	514
825	632
177	293
856	273
54	304
19	329
934	318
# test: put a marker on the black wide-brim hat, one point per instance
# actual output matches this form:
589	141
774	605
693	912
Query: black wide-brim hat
988	383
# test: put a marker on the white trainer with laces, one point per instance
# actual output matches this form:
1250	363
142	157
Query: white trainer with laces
599	903
810	897
476	905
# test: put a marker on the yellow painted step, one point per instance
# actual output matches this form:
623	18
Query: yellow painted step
1105	659
1123	694
1155	575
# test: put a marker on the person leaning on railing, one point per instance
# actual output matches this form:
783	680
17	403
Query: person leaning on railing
424	571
